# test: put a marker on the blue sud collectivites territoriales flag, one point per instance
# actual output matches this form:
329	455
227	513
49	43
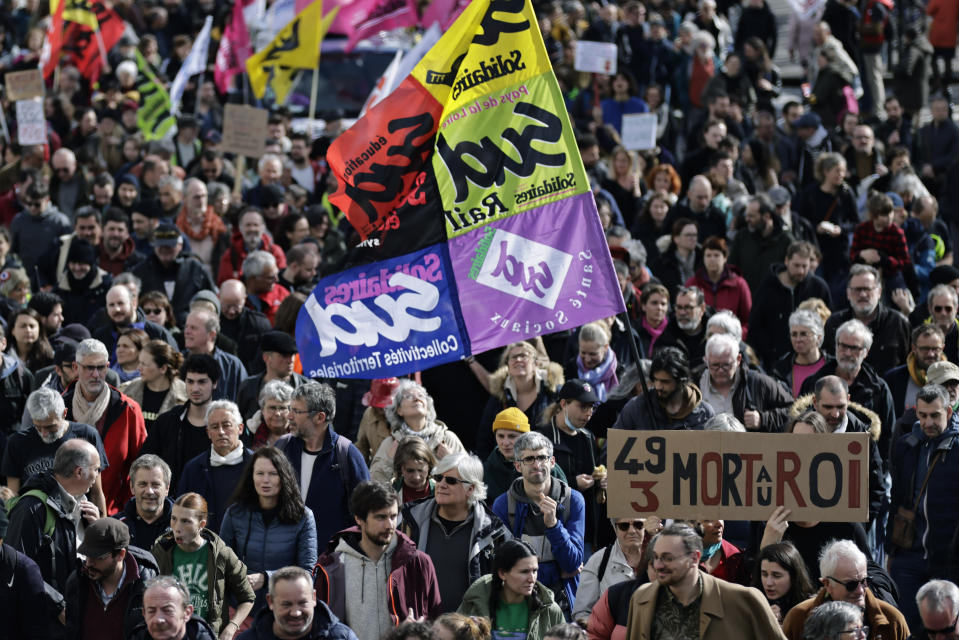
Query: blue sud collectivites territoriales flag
468	189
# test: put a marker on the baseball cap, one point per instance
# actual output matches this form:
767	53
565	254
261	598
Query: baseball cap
103	536
810	120
779	195
166	235
942	372
512	419
581	390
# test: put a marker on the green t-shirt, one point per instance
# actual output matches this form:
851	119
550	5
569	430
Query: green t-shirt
190	568
512	621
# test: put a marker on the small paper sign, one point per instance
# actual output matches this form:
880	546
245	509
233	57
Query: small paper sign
244	130
23	85
595	57
31	125
639	131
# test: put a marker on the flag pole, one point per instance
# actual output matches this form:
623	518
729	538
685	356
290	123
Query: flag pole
103	53
316	84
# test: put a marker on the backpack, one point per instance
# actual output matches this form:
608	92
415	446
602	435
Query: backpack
50	523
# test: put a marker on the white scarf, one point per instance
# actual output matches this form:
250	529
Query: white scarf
90	412
230	459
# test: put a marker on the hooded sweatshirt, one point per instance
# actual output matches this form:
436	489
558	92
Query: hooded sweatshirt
367	608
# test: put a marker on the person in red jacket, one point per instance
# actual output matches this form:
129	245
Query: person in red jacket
373	558
249	236
721	283
942	37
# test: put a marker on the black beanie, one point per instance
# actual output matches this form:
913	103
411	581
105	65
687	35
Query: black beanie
82	251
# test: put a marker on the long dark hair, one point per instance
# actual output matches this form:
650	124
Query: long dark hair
41	353
291	508
786	556
505	558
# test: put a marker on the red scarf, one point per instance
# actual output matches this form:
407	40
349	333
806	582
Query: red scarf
212	225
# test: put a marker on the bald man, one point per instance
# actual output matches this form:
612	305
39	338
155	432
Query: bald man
244	325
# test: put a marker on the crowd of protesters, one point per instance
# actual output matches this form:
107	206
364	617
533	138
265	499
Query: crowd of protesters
786	265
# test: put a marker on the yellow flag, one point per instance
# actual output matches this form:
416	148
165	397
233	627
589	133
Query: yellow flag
282	81
296	46
79	11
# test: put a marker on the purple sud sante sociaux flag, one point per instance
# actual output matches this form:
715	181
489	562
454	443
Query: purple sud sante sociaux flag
476	141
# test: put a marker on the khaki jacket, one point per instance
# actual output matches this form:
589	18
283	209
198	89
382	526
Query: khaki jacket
726	611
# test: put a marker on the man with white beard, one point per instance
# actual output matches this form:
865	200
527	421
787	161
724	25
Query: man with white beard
690	326
31	451
866	387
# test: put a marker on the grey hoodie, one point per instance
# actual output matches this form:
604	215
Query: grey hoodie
367	602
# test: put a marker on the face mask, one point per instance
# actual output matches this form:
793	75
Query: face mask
569	424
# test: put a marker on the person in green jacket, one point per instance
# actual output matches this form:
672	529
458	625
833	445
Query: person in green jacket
519	607
201	561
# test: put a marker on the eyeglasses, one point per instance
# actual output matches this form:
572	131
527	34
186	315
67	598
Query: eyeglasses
667	558
301	412
861	631
945	630
518	356
940	309
639	525
862	290
935	349
450	480
94	367
850	585
850	347
152	311
721	366
535	459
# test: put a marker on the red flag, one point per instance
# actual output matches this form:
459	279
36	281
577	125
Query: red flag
80	41
50	55
234	49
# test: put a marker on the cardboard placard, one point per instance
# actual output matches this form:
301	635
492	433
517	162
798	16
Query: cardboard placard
738	476
31	123
244	130
639	131
595	57
23	85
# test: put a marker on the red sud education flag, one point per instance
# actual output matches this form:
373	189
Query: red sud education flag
80	40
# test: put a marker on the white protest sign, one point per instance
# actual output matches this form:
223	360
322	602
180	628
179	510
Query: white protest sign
31	124
595	57
639	131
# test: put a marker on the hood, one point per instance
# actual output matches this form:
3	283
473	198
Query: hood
557	491
348	541
323	619
552	376
477	597
870	417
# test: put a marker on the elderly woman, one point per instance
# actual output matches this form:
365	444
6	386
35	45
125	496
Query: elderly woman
835	621
521	381
806	336
272	420
456	525
412	415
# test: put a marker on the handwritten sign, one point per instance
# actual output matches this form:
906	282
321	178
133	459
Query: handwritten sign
595	57
23	85
31	124
639	131
738	476
244	130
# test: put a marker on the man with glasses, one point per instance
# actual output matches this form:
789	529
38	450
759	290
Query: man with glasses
938	602
328	466
68	188
689	327
36	229
673	605
905	381
922	458
548	515
264	294
117	419
890	329
866	387
215	473
843	569
943	305
455	528
105	594
729	386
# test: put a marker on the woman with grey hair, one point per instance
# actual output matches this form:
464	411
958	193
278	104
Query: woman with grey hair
806	332
272	420
412	415
455	527
835	621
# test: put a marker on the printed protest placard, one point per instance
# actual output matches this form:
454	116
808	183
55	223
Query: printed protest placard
244	130
31	124
639	131
595	57
23	85
738	476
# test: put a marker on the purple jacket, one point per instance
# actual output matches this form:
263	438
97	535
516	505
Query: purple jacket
412	585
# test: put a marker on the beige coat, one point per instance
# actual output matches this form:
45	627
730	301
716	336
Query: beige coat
435	434
727	611
374	429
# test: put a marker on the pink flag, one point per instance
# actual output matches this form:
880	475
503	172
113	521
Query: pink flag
443	12
383	16
234	48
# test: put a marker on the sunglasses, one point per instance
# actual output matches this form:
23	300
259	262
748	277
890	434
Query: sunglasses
944	630
850	585
639	525
450	480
